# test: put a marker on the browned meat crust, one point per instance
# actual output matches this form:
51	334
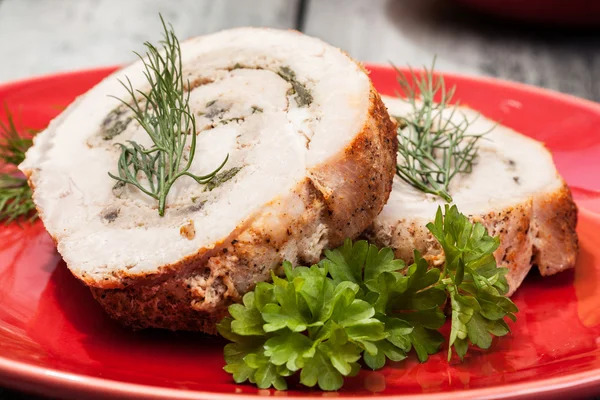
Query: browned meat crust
539	231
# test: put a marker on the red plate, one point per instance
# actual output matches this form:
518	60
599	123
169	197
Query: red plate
54	339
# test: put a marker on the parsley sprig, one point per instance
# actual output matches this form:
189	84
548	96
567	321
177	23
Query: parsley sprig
360	302
476	287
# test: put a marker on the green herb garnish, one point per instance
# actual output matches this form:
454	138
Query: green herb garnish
15	194
432	149
165	115
13	146
475	285
15	199
360	302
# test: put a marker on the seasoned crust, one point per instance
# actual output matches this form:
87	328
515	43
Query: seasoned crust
359	197
512	226
555	240
538	231
194	293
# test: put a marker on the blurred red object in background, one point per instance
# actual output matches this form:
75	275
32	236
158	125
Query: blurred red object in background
557	12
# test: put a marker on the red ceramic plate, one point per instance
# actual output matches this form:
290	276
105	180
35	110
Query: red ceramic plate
55	340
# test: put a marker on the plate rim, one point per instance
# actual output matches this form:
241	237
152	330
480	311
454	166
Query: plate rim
32	378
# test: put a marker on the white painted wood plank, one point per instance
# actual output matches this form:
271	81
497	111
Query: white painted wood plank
413	31
43	36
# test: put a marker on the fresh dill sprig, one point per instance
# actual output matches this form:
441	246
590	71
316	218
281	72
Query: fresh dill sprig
15	194
12	145
15	199
165	115
432	147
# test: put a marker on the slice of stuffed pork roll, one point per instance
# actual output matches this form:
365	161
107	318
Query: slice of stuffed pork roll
309	153
514	190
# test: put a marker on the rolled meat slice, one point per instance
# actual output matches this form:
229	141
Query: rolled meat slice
514	190
312	153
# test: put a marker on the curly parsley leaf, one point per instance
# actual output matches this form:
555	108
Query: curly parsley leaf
409	294
301	322
360	302
476	286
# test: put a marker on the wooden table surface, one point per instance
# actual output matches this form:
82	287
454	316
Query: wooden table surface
46	36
